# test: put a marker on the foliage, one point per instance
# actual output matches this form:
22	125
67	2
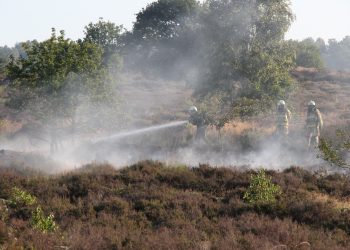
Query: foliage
308	54
5	53
335	54
261	190
334	150
41	222
163	38
20	201
160	20
106	35
58	80
246	59
20	198
49	68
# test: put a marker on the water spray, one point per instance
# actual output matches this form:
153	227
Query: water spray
124	134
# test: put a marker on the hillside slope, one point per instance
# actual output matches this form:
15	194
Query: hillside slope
329	89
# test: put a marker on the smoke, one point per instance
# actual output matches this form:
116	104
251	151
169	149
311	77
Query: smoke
159	143
171	142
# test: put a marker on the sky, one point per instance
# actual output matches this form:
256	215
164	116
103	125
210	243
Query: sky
22	20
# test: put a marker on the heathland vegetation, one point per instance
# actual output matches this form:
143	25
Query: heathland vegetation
153	206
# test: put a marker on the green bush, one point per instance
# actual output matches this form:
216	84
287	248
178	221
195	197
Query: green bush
23	204
21	198
261	190
41	222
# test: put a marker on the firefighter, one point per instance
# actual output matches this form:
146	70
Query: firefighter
198	120
314	124
283	119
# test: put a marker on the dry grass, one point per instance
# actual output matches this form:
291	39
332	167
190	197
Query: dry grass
338	203
330	90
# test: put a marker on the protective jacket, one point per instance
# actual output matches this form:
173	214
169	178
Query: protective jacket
200	121
314	122
282	122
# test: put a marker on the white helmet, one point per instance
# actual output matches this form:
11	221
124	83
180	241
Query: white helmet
281	103
311	103
193	109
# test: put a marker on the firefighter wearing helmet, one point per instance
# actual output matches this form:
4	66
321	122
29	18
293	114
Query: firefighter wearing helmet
314	124
199	120
283	119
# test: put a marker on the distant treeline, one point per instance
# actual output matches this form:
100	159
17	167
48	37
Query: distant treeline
318	53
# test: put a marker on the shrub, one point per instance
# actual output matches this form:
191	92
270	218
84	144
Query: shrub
261	190
41	222
20	198
21	203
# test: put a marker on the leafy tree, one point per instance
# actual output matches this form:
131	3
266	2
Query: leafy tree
55	77
246	61
163	19
321	45
108	36
163	38
104	33
334	55
308	53
337	55
234	50
5	53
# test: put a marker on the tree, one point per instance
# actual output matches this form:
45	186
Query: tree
5	53
107	35
164	19
246	61
163	38
55	77
321	45
337	55
308	53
